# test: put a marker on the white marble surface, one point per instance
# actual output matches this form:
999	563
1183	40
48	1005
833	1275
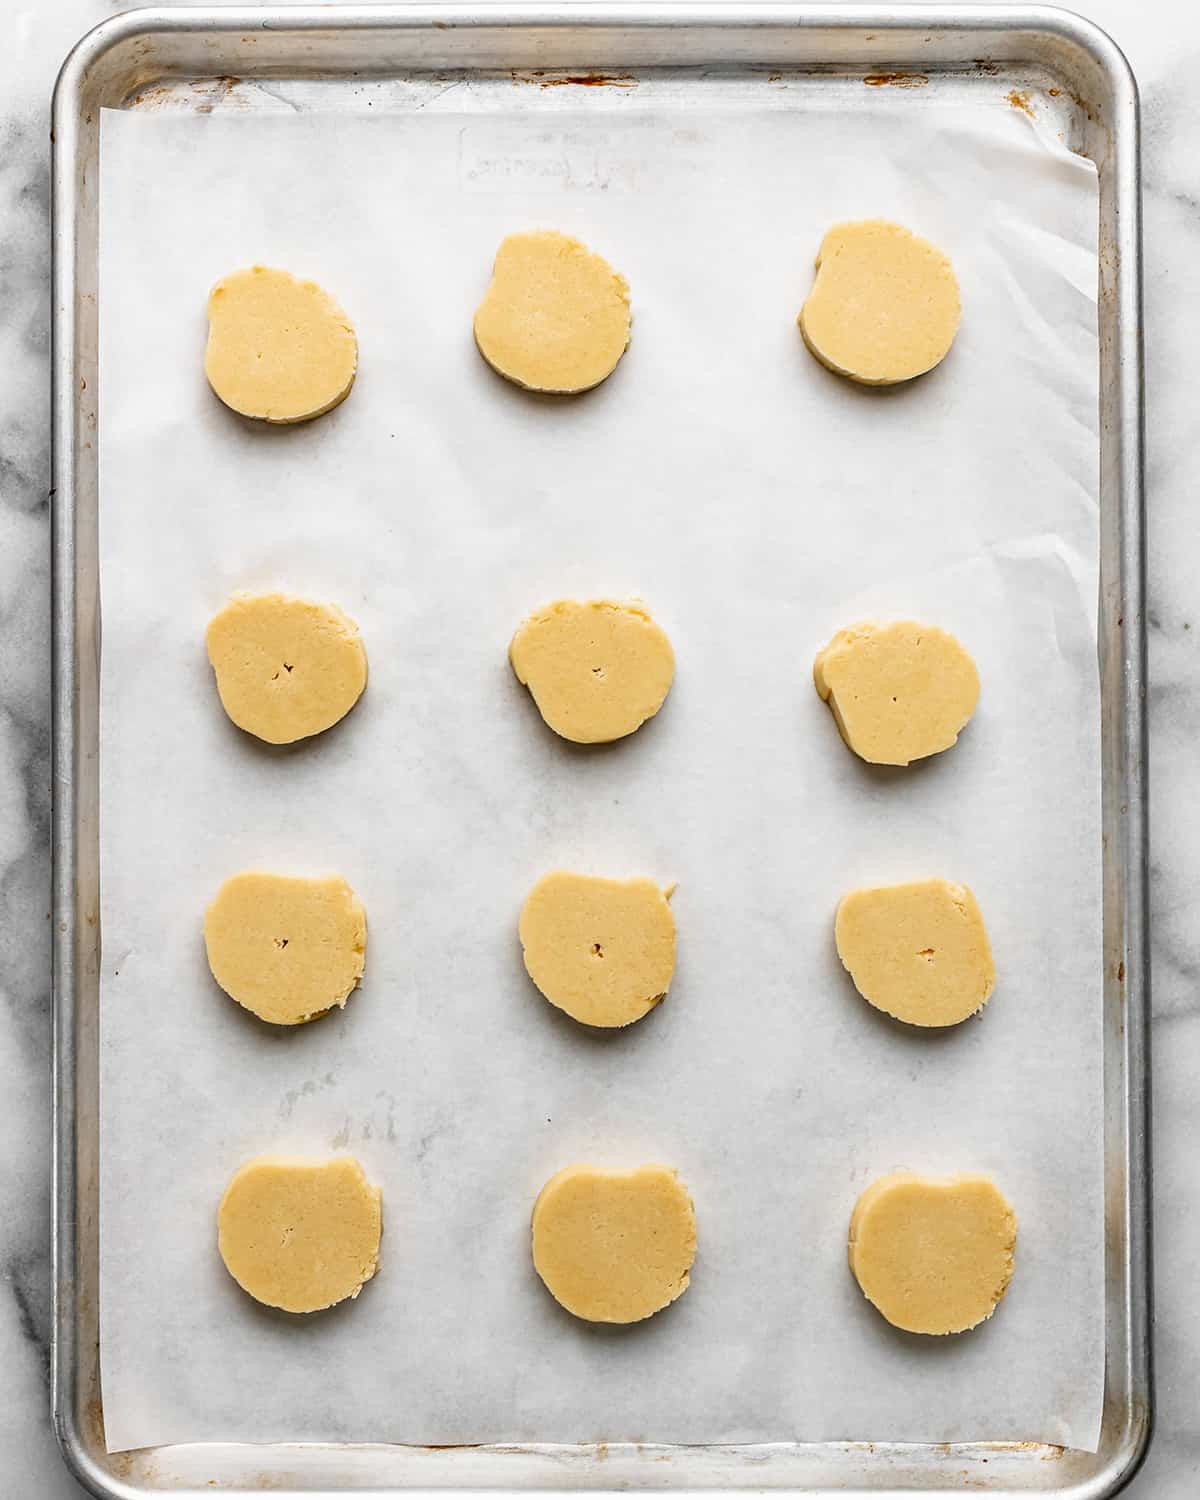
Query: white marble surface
1162	40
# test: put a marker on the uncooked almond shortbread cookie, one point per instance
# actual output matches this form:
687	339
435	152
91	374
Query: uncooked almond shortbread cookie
884	306
614	1246
286	668
918	951
300	1234
898	692
597	669
933	1255
279	349
602	950
555	317
286	947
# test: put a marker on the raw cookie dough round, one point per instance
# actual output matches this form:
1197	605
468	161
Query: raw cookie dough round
898	692
613	1246
286	947
933	1255
279	349
286	668
602	950
597	670
555	317
918	951
884	306
300	1234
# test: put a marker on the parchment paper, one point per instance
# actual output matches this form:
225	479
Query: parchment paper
758	504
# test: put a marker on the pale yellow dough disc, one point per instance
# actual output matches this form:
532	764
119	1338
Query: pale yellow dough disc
286	947
898	692
300	1234
884	306
286	668
602	950
279	349
597	670
919	951
934	1256
613	1246
555	317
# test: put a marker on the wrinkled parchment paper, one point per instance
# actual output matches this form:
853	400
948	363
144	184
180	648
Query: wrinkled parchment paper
758	504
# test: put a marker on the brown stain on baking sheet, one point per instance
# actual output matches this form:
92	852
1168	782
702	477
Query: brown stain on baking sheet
212	91
592	81
1020	100
1089	109
208	92
149	98
93	1420
896	80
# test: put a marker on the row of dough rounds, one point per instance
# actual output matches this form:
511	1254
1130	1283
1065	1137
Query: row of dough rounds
935	1256
603	950
598	669
290	948
884	308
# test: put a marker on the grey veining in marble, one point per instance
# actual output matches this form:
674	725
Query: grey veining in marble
1162	39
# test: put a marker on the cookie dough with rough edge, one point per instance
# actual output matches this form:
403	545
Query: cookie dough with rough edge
597	669
602	950
555	317
279	349
300	1234
918	951
286	947
614	1246
898	692
884	307
933	1255
286	668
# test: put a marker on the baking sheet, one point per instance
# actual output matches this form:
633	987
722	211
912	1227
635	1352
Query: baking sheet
757	504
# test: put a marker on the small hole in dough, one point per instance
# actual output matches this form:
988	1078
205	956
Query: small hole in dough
926	954
597	951
281	943
287	666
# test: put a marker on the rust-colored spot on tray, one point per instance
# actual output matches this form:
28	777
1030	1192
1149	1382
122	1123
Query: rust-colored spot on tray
150	98
985	66
93	1420
1121	972
213	92
1088	109
592	81
1054	92
896	80
1020	100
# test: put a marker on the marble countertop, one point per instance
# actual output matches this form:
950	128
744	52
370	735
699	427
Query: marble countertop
1162	41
